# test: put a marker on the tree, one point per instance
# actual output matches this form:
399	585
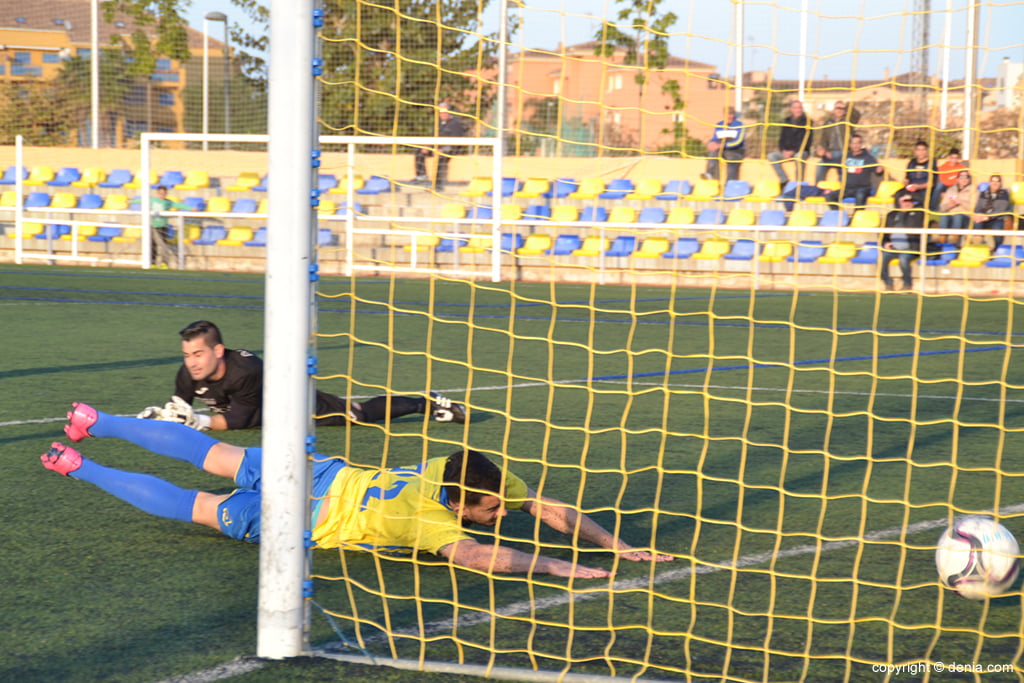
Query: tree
73	91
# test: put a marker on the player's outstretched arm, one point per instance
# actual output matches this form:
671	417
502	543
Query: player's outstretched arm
570	521
497	558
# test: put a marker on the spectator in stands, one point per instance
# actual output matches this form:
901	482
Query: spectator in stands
950	168
834	137
450	127
992	212
727	145
956	204
922	177
900	245
858	169
159	205
795	139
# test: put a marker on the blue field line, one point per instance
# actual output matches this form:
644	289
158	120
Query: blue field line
811	361
118	291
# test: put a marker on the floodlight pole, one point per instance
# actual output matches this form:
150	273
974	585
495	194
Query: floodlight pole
94	70
216	16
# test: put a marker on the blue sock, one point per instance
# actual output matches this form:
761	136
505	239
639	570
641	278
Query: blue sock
144	491
163	438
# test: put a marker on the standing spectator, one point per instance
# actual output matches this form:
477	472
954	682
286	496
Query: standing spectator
950	168
858	167
727	144
922	177
794	142
159	204
956	204
899	245
992	212
834	137
450	127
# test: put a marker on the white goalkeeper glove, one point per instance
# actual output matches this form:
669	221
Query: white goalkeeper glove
151	413
177	410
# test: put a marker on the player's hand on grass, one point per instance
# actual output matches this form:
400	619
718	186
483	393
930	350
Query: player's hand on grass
577	571
628	552
177	410
151	413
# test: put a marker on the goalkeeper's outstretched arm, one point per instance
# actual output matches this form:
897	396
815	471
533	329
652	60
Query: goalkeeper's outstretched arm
500	559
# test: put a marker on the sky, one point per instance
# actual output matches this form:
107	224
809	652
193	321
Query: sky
846	45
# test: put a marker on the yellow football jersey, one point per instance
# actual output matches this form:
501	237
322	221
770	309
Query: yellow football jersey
397	510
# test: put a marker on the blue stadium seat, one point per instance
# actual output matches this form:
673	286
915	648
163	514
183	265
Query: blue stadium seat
834	218
259	238
194	203
170	179
772	217
342	210
594	214
53	231
651	214
37	200
244	205
868	253
675	189
327	181
617	188
1006	256
211	234
742	250
90	201
451	244
10	176
562	188
540	212
947	252
262	186
710	217
565	244
735	190
623	245
508	187
510	241
105	233
117	178
480	213
65	176
324	237
375	184
807	251
684	247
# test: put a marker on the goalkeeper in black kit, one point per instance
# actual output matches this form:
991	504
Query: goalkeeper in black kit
230	383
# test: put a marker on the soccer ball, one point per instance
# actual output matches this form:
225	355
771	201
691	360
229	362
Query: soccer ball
977	557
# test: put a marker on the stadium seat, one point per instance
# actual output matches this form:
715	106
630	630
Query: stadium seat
65	177
358	183
710	217
740	217
264	206
136	184
834	218
244	205
684	247
326	182
713	248
194	203
480	213
129	234
31	229
839	252
449	244
510	242
653	247
824	187
261	186
651	214
704	191
866	218
85	231
477	244
675	190
64	200
325	238
867	254
326	207
534	245
593	245
765	191
116	179
802	218
589	188
617	188
37	200
259	237
9	198
594	214
772	217
533	188
453	210
564	213
807	251
1006	256
511	212
91	177
341	210
742	250
885	192
53	231
945	254
561	188
194	180
646	190
566	244
1017	193
375	184
681	215
218	205
244	182
40	175
426	242
508	187
10	176
90	201
116	202
776	251
211	235
622	246
540	212
736	190
170	179
972	256
105	233
478	186
236	237
622	214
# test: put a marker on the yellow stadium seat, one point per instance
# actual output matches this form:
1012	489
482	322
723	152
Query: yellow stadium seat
84	231
887	189
115	202
535	244
236	237
263	206
593	245
30	229
802	218
423	242
342	187
91	177
588	188
866	218
326	207
245	181
218	205
704	190
64	200
681	215
194	180
40	175
453	210
646	189
972	256
193	232
154	178
477	244
741	217
825	186
776	250
652	247
839	252
712	248
9	198
478	187
622	214
765	191
533	188
1017	193
511	212
564	213
130	234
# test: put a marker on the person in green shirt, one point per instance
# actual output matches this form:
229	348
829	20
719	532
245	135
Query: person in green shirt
159	205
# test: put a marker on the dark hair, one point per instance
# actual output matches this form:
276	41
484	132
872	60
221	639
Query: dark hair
921	143
469	475
202	328
161	187
954	150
